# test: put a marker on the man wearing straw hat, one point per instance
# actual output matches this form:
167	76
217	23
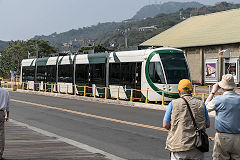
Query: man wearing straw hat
227	120
181	136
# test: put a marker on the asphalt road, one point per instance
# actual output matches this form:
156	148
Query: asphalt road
130	133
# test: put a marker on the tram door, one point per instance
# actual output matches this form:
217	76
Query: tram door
89	80
96	78
137	92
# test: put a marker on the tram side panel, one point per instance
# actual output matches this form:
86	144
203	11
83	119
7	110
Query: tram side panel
65	74
28	73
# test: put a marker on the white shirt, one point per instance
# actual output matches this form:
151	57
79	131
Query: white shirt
4	99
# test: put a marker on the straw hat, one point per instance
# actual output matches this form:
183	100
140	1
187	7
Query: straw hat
184	85
227	82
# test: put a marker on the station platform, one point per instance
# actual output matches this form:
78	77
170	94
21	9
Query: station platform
23	143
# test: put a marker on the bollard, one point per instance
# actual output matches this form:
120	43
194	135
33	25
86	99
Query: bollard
209	89
45	87
75	90
118	94
84	93
12	83
146	101
95	90
22	85
163	98
33	86
203	97
39	88
67	90
59	89
131	97
194	90
106	95
51	88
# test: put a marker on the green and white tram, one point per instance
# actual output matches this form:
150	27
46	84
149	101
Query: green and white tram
151	71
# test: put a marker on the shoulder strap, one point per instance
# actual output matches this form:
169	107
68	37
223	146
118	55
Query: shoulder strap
190	111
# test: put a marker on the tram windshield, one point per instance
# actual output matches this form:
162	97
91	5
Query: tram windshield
175	67
156	73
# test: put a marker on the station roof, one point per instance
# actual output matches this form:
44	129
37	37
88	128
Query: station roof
210	29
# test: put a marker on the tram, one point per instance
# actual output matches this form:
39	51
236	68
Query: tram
149	72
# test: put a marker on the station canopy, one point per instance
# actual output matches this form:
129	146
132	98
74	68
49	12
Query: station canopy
210	29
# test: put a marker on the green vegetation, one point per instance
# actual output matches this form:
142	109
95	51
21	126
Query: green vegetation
3	45
12	57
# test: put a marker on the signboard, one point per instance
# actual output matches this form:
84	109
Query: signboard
211	70
231	66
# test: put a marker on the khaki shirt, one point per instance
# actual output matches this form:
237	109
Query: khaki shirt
181	136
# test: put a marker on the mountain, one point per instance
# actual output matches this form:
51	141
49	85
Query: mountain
168	7
3	45
88	33
112	34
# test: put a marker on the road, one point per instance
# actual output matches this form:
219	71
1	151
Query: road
127	132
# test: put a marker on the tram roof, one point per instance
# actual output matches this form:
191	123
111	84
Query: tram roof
114	57
210	29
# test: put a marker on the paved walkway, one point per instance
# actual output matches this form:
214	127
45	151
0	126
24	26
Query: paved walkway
23	143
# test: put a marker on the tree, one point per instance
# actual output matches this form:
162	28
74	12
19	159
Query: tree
12	57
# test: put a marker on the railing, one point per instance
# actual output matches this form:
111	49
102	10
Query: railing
200	92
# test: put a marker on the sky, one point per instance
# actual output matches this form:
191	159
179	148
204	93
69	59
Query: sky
23	19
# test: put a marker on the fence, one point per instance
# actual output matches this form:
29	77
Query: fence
201	92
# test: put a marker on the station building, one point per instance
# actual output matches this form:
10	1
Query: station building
211	43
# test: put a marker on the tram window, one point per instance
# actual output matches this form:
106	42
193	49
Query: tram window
128	73
114	73
156	73
175	67
51	73
98	73
28	73
42	73
65	73
82	73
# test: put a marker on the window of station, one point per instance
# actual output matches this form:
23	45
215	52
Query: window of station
156	73
82	73
28	73
51	73
97	73
65	73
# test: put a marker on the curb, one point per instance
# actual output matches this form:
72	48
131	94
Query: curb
97	100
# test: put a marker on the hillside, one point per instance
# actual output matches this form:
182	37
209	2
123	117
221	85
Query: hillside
162	21
89	33
166	8
111	35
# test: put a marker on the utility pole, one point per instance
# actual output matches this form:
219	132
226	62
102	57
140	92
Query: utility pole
37	49
126	40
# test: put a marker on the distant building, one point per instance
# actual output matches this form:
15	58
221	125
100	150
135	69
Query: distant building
211	43
77	44
150	28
